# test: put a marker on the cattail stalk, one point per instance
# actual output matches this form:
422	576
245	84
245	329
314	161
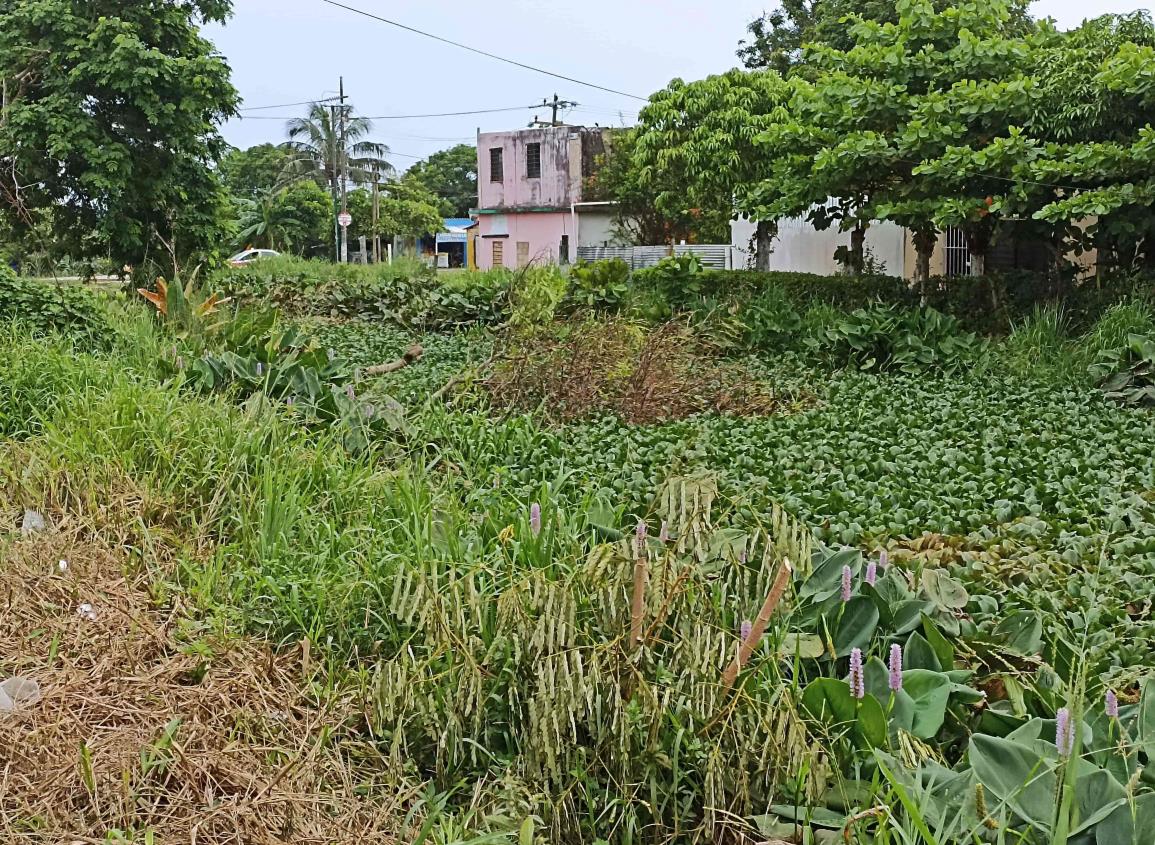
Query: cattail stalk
759	626
638	607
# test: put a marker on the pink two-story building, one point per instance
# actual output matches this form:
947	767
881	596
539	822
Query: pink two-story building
529	185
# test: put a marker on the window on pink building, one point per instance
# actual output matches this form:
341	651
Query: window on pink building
496	165
533	161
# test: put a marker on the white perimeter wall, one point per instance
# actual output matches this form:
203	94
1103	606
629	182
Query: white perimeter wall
800	248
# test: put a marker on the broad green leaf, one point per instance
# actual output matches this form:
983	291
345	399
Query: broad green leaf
930	692
829	700
918	654
856	625
1021	632
944	591
1017	775
942	648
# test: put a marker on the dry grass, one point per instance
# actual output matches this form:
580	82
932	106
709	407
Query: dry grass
147	726
578	368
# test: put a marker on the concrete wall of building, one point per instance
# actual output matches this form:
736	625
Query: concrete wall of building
596	228
568	155
525	238
800	248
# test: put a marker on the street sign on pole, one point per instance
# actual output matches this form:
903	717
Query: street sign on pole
345	219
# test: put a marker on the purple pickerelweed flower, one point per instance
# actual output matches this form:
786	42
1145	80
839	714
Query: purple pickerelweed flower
640	538
745	629
180	362
895	667
535	518
664	534
1112	706
847	583
883	559
349	391
871	573
857	679
260	369
1064	732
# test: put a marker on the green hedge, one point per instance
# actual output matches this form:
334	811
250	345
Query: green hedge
405	292
47	307
988	304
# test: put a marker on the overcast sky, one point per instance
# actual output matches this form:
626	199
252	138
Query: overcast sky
285	51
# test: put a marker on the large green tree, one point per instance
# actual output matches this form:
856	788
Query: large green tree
109	124
294	218
696	146
777	38
451	176
256	170
868	124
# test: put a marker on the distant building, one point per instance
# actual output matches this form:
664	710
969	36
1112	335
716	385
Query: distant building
530	184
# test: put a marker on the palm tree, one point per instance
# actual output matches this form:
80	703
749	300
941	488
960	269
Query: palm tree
264	219
318	152
329	145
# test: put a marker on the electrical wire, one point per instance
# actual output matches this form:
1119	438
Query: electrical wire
287	105
412	116
482	52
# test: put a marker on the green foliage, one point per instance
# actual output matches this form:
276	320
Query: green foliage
405	292
296	218
778	37
451	176
110	125
253	171
44	307
887	337
696	150
535	294
600	284
1127	374
677	279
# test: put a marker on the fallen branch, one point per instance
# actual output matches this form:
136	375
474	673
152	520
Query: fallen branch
412	356
458	378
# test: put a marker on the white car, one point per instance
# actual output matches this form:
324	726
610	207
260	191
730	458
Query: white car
251	255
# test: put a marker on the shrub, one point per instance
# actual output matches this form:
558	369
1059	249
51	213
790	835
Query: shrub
677	279
45	307
1127	374
600	284
886	337
535	293
405	292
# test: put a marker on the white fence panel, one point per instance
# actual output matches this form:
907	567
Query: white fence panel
714	256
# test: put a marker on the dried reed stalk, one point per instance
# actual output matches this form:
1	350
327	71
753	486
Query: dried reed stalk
759	627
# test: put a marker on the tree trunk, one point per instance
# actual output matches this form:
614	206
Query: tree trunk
858	248
924	243
979	242
764	236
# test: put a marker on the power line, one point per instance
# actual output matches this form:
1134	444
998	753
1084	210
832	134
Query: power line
482	52
411	116
287	105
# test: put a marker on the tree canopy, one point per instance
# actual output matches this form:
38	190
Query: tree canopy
451	176
109	128
777	37
928	114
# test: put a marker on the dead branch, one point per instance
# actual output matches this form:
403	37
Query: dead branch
412	356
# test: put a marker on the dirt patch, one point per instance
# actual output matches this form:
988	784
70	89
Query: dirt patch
149	724
581	368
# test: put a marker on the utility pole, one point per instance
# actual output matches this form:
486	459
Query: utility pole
342	168
553	105
376	219
333	183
